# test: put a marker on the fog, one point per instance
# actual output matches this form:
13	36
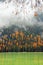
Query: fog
14	13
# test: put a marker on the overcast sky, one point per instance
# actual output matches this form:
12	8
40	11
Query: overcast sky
2	0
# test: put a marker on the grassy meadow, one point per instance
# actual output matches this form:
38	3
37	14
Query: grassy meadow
23	58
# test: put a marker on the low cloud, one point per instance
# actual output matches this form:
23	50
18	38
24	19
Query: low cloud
9	16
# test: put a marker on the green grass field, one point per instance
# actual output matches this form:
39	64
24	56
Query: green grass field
30	58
